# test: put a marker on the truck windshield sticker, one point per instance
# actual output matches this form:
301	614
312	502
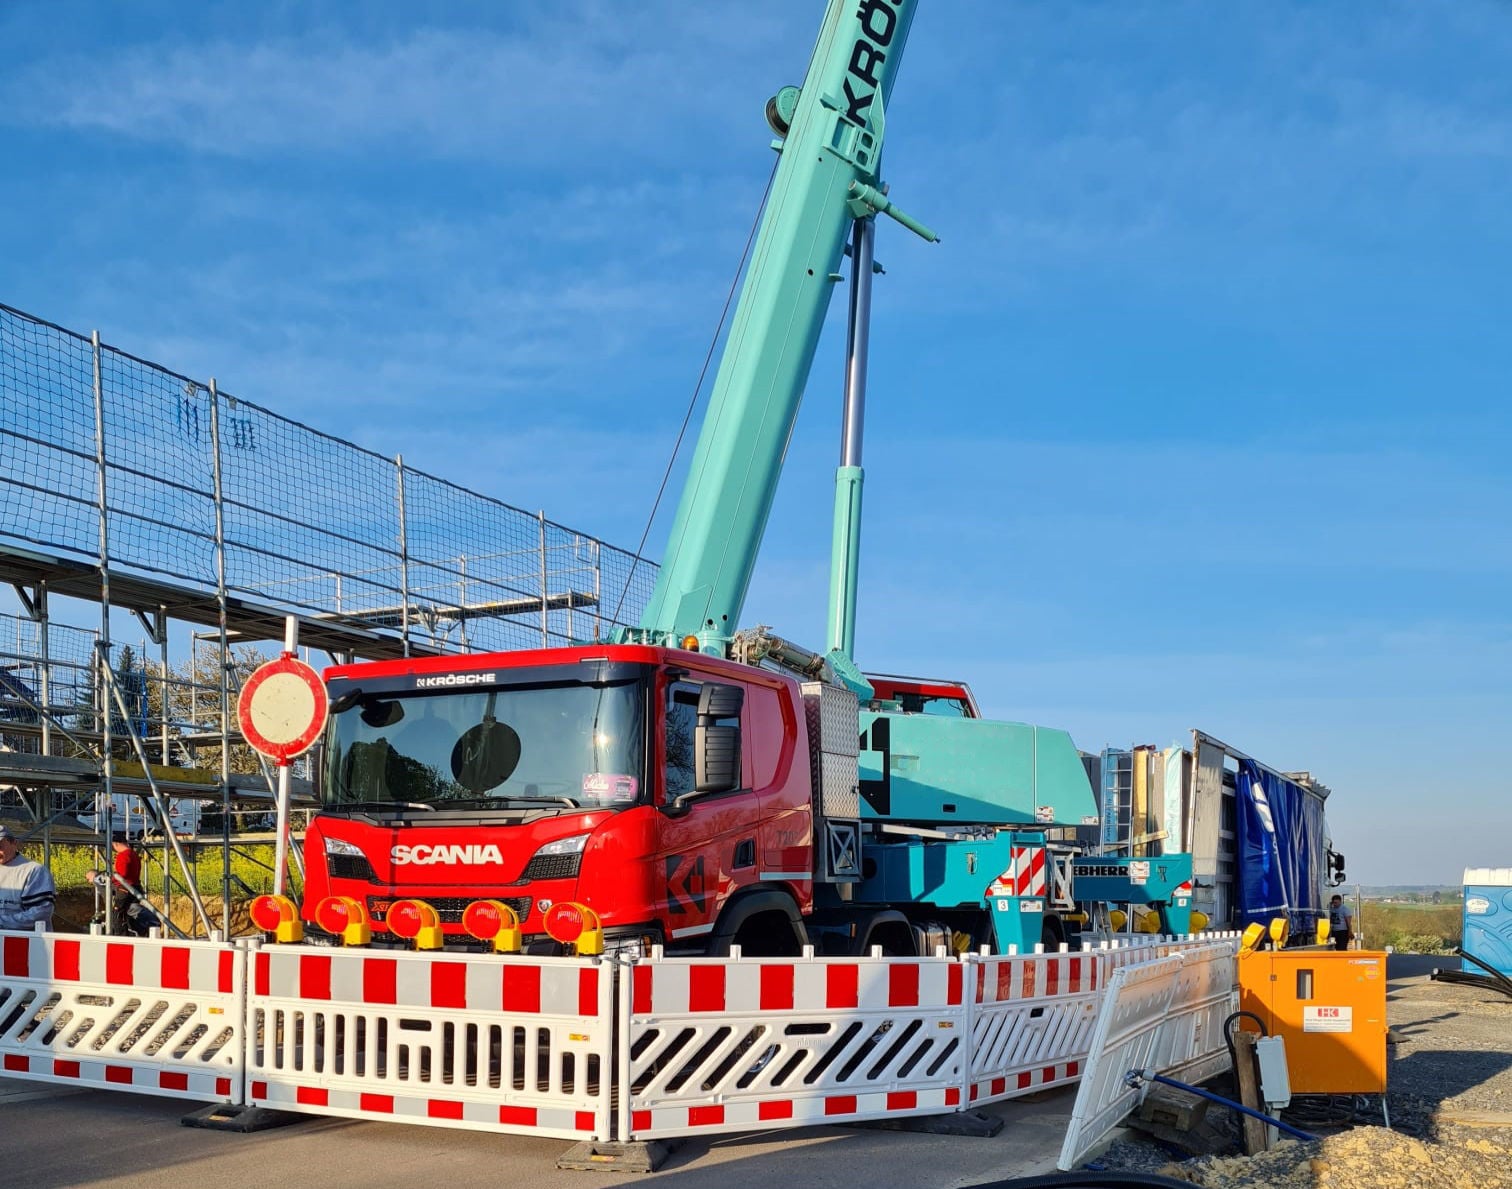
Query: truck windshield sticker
611	786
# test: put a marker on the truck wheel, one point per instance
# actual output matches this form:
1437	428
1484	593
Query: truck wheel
769	935
763	923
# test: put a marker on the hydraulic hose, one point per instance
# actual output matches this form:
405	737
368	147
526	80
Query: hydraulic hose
1467	979
1294	1132
1490	970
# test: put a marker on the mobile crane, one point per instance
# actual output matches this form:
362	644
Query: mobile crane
694	785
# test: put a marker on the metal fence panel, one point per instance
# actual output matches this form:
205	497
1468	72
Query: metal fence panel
310	522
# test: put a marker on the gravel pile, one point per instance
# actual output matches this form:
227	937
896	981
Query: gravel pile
1365	1158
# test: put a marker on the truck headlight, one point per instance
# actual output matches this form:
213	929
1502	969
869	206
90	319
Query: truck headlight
338	846
557	860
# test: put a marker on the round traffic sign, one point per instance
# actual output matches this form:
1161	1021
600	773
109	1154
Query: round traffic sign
283	708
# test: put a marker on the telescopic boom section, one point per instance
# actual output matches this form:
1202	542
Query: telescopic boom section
826	178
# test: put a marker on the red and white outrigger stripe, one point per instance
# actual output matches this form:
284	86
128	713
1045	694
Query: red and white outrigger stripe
1027	875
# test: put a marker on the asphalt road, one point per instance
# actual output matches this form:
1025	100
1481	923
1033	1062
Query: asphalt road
108	1140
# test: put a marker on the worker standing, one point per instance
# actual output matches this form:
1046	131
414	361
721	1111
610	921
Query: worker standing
27	893
1340	924
125	882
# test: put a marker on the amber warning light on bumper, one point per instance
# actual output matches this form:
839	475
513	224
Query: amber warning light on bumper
575	925
415	920
346	918
491	921
278	916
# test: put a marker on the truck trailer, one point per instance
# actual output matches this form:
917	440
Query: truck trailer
1258	837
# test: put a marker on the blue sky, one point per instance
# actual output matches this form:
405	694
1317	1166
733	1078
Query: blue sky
1197	417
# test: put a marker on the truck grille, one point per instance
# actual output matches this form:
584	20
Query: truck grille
448	908
349	867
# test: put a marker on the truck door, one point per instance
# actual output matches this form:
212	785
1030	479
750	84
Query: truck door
709	845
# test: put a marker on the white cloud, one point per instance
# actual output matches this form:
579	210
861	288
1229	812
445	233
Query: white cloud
564	83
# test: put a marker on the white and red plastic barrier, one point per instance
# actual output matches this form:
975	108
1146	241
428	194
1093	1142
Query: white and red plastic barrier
501	1042
712	1044
1031	1021
156	1017
481	1041
1156	1015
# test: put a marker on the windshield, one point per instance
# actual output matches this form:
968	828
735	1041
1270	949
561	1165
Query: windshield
567	744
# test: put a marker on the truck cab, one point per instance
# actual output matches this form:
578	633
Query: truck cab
917	695
665	789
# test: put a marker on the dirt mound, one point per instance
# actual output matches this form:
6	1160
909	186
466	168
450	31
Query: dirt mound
76	906
1366	1158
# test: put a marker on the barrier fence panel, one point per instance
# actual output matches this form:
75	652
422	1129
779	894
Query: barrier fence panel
1127	1036
1031	1020
743	1044
150	1016
480	1041
1192	1047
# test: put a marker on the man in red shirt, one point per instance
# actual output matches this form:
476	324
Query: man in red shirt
125	882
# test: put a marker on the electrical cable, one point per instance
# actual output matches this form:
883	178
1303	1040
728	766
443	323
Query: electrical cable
1228	1034
1294	1132
1323	1110
1088	1179
697	388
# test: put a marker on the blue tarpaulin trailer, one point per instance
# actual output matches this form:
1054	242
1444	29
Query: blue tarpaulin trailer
1258	837
1282	849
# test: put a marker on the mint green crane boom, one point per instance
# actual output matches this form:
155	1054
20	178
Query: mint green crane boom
826	178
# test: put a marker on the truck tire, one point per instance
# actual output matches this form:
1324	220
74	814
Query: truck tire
764	923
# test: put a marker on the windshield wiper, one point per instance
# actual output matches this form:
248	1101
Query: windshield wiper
354	806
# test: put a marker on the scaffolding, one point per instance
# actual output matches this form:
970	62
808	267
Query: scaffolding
134	487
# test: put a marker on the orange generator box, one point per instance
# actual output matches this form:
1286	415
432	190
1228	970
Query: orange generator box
1330	1005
